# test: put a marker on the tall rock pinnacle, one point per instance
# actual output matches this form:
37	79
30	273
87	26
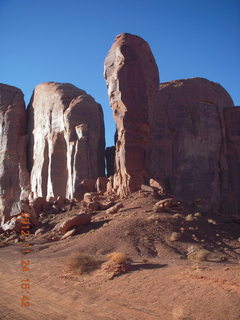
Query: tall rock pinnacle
132	79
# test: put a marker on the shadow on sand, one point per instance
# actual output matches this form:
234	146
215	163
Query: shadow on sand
146	266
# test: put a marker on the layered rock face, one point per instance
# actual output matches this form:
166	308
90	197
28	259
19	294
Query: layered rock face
14	178
66	131
187	153
232	122
132	79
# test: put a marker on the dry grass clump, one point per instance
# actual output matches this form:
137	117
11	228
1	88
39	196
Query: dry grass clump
194	237
177	216
117	257
80	263
212	221
199	255
117	264
175	236
189	217
198	214
153	216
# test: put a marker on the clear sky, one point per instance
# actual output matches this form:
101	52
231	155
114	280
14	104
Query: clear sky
68	40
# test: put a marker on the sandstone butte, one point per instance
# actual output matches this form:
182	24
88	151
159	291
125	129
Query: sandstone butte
187	153
184	134
177	145
66	140
14	181
178	135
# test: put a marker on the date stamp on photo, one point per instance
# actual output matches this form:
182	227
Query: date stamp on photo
25	264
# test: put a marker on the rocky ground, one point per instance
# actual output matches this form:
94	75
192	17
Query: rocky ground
183	264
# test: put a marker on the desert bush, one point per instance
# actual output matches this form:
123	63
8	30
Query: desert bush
117	257
199	255
175	236
189	217
212	221
177	215
197	214
80	263
153	216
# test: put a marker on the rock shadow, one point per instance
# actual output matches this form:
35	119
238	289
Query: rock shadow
147	266
92	226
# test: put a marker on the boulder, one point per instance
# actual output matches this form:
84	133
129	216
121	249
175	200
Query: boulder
91	196
39	232
115	208
104	205
13	224
14	177
147	188
18	223
67	143
72	222
39	205
23	206
132	79
164	204
69	234
187	150
156	186
61	204
93	206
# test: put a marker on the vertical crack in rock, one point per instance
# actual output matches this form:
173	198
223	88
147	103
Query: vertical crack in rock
132	79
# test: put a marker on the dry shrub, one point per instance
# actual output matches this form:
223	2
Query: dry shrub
153	216
117	257
175	236
177	216
212	221
199	255
117	264
194	237
189	217
80	263
198	214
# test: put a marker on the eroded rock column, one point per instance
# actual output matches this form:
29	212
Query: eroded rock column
14	178
132	79
84	133
67	140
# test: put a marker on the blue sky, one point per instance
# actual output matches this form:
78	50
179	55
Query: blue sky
68	40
